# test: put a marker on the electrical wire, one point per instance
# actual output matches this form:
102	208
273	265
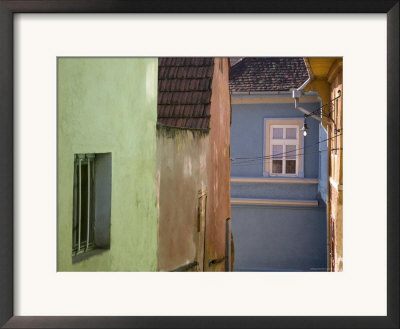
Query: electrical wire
319	110
244	160
257	162
324	140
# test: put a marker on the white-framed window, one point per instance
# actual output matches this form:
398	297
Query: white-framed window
284	144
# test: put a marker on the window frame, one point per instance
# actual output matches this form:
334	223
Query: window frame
284	142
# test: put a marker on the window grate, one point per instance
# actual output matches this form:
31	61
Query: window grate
83	221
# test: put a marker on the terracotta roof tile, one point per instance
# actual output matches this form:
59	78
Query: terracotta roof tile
184	92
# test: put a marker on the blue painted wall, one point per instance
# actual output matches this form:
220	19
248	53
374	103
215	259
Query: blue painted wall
279	239
272	238
274	191
247	135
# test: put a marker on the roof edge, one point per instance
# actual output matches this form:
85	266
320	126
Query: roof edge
272	93
167	127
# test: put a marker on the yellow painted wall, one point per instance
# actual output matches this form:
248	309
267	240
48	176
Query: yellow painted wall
335	78
327	80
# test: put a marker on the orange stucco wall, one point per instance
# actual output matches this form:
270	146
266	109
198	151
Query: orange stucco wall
181	175
191	165
218	202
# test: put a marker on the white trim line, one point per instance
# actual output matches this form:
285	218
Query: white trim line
274	180
272	93
335	184
268	93
267	100
272	202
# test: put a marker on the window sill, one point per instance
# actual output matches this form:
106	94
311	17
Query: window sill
283	180
87	255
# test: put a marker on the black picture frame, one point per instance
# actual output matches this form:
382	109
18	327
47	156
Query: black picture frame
9	7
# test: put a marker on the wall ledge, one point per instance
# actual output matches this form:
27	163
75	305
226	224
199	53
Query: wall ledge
280	180
274	202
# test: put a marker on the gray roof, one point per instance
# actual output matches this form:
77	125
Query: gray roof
266	74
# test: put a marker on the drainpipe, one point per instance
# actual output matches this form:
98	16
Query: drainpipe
296	94
310	75
305	83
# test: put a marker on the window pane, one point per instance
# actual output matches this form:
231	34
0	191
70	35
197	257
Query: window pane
291	133
290	151
75	221
277	133
290	166
276	166
277	151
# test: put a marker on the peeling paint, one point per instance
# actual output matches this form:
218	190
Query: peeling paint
193	165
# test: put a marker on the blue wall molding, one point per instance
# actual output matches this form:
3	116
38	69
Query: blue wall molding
274	202
279	180
273	97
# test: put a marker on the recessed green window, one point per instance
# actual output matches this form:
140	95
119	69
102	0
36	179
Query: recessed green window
91	202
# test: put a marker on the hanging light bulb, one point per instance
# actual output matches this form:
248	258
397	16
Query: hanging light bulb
305	127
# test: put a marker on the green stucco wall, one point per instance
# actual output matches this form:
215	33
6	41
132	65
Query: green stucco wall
110	105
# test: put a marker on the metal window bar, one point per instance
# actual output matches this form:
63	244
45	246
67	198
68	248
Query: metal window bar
75	210
88	207
83	242
79	202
